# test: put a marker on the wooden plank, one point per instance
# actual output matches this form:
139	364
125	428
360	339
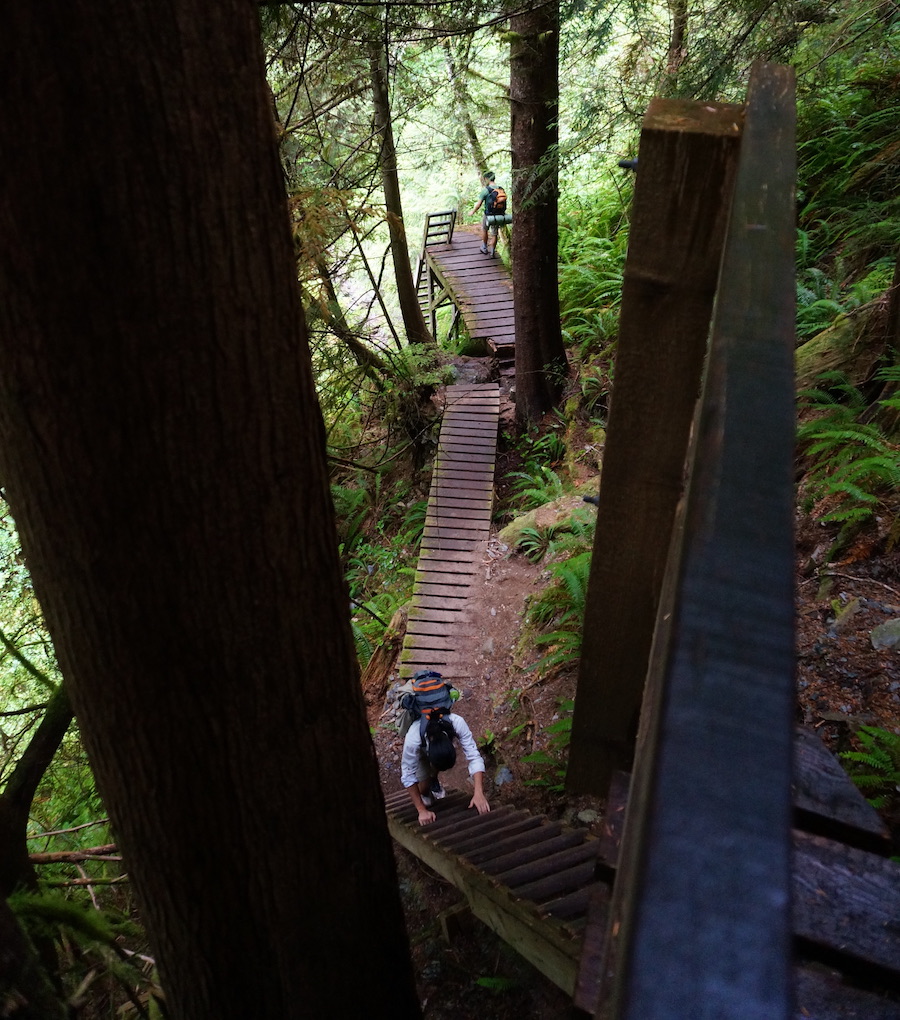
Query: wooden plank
575	905
523	829
546	946
470	823
435	628
533	851
469	483
463	558
471	458
473	476
442	564
588	987
497	828
716	868
466	428
827	802
426	607
444	591
469	437
468	486
557	884
847	900
456	447
438	543
455	676
466	572
501	848
549	864
431	643
441	532
459	427
444	513
449	523
442	497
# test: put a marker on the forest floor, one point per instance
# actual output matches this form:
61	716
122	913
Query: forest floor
843	682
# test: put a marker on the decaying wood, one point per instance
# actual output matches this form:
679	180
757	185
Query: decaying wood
853	344
375	676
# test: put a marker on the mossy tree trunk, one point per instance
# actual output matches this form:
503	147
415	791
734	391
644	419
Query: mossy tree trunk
163	454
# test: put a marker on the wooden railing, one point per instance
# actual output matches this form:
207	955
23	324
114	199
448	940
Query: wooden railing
697	578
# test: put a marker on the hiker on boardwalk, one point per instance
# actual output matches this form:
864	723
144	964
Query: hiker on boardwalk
491	197
431	750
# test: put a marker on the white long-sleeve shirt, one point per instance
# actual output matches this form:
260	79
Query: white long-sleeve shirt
413	764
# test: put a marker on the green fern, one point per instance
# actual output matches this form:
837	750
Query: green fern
534	542
551	764
876	768
538	489
561	605
851	461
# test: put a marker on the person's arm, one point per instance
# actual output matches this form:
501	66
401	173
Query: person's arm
476	763
476	207
426	816
479	801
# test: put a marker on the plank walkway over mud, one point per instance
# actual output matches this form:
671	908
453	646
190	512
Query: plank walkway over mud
457	524
451	269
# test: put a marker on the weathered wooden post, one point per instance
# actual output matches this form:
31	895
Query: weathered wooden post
700	920
686	166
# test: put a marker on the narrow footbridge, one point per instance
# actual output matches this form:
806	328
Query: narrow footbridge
457	524
453	271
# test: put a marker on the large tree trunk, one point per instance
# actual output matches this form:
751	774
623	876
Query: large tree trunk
163	454
534	95
413	320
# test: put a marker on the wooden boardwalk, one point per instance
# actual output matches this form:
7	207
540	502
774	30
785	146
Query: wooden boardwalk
546	888
457	524
453	270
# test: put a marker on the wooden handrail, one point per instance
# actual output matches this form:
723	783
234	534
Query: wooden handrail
700	919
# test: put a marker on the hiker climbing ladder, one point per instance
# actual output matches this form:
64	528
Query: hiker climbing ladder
457	524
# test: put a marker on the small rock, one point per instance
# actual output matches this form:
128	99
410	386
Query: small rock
886	635
488	646
588	817
502	775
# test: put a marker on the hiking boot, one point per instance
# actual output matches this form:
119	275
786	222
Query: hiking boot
483	249
492	252
436	790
